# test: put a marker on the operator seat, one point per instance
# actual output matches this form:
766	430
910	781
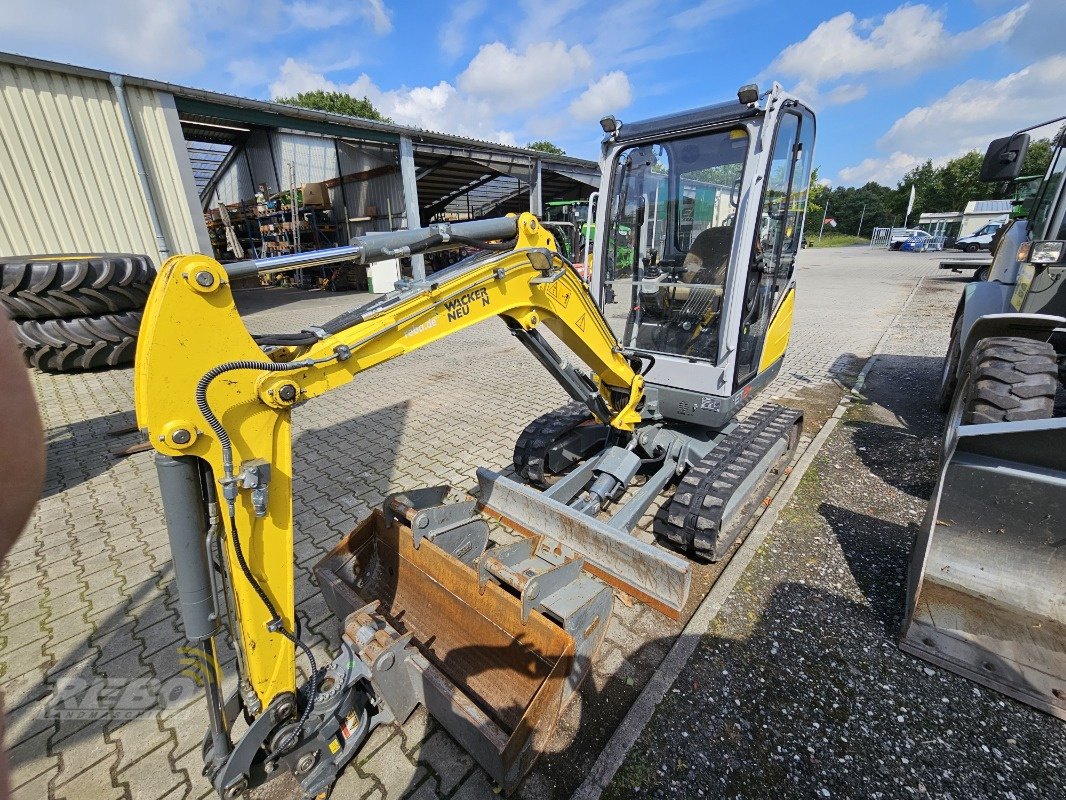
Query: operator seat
708	257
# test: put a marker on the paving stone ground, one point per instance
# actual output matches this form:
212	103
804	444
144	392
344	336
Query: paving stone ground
797	688
87	603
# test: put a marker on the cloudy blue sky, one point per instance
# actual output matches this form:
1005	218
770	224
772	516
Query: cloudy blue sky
893	83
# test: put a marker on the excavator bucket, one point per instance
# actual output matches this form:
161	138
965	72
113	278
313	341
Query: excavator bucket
493	642
986	595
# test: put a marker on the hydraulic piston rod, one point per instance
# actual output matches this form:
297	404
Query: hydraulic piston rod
379	246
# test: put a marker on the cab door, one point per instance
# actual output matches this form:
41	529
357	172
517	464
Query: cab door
766	313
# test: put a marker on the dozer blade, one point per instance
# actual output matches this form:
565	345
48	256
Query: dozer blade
651	574
986	595
493	652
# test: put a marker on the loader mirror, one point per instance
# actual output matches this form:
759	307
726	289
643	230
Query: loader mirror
1003	161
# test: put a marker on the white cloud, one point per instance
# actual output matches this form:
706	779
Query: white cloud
610	93
296	76
378	15
845	93
704	12
319	14
887	170
438	108
1042	33
453	33
126	35
514	80
977	111
909	39
966	118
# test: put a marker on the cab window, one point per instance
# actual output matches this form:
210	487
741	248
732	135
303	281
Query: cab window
670	236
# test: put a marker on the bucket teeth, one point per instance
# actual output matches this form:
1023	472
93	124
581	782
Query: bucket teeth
493	643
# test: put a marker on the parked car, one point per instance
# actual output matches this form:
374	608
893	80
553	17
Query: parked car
978	240
922	242
900	235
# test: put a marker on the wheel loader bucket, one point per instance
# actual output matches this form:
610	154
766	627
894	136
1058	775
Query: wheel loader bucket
493	652
986	595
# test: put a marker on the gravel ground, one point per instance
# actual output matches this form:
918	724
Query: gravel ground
798	689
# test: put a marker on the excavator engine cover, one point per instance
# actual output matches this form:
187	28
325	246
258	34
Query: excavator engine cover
494	661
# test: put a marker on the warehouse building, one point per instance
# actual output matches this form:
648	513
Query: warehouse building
99	162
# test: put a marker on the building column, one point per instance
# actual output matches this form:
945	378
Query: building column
536	195
410	199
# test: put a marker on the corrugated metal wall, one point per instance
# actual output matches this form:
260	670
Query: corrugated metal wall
314	158
319	158
236	184
67	177
380	194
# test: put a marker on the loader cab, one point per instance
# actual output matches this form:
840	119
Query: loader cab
702	215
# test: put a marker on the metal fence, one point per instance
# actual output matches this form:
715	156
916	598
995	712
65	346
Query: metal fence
907	239
881	237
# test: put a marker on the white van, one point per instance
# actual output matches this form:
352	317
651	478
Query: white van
980	239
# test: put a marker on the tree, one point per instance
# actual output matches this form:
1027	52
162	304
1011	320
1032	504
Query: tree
1037	157
951	186
545	146
816	198
335	102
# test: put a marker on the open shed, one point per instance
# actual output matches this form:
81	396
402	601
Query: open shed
96	161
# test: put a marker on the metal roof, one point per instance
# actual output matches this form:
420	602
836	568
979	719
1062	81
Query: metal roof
263	107
459	184
989	206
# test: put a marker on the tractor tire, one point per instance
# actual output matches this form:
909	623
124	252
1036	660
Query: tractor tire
541	435
54	287
1006	379
82	343
1009	379
949	377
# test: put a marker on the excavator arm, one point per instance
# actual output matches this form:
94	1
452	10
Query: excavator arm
205	387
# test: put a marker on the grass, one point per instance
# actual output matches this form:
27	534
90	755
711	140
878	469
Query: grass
836	240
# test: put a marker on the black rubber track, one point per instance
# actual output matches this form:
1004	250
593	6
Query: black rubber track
73	345
693	519
531	449
1010	379
51	287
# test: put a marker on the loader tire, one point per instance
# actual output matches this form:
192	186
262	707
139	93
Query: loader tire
82	343
541	435
1009	379
949	377
53	287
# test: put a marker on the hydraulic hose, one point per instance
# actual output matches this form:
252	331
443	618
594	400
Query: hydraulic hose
229	492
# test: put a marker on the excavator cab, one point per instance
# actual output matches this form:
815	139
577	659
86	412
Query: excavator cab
703	221
700	220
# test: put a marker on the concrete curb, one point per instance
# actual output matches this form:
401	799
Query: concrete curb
629	730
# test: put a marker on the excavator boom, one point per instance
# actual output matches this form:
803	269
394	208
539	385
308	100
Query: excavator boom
218	410
492	637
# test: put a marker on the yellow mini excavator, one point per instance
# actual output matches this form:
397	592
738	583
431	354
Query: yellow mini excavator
686	317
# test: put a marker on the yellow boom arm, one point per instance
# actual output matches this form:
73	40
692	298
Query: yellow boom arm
205	388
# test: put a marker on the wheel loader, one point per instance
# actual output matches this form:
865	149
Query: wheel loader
492	638
986	595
